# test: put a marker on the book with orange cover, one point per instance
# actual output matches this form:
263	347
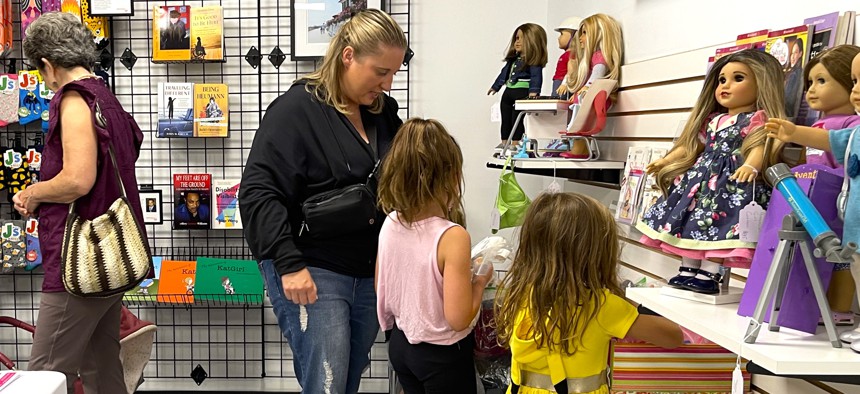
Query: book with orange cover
176	284
170	33
207	33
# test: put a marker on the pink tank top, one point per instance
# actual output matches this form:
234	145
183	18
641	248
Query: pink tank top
409	284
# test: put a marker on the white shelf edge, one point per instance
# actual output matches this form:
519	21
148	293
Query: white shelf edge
561	164
786	352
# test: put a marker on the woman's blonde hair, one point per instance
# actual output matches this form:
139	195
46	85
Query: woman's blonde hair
837	61
424	167
533	46
602	33
770	97
568	253
367	32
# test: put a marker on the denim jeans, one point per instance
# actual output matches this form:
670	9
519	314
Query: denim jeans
331	338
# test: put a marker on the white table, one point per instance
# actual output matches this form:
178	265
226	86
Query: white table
786	352
36	382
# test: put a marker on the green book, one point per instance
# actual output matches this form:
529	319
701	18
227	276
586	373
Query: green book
228	280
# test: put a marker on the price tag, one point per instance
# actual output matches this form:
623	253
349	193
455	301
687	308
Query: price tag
495	113
495	219
751	219
737	379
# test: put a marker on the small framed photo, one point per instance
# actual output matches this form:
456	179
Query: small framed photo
111	8
150	203
315	22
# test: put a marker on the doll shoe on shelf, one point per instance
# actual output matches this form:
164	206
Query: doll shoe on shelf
704	286
855	346
678	280
850	336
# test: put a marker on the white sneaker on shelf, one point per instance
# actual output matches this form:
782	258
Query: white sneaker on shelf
850	336
855	346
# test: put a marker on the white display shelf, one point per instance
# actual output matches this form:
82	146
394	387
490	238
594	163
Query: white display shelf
548	163
787	352
541	105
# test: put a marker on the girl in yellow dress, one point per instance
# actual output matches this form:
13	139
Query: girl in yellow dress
561	304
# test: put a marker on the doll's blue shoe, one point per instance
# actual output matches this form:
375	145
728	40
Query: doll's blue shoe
678	280
704	286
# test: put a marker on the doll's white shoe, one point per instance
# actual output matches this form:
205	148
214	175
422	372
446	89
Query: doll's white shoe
855	346
850	336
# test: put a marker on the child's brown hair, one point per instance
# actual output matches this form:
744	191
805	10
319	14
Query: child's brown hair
568	253
423	167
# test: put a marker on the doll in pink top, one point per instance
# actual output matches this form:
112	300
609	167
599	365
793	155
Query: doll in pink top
829	84
600	41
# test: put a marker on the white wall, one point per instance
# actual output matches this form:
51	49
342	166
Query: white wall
657	28
459	46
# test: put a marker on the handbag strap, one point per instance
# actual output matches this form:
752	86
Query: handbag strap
100	121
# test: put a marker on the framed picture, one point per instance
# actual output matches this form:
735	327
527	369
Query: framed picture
111	8
314	22
150	203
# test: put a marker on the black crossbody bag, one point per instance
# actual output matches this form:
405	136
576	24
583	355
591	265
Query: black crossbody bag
338	212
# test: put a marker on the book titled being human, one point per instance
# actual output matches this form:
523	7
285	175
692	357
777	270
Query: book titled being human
175	109
211	116
192	201
225	193
207	33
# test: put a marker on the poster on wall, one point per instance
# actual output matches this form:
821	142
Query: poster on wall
314	23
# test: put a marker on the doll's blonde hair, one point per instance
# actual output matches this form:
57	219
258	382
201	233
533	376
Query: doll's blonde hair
423	167
837	61
367	32
568	253
602	33
770	97
534	51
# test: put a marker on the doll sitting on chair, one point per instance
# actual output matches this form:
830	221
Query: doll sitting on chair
598	48
713	170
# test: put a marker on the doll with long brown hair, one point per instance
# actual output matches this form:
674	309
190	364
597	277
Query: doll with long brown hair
599	46
829	84
713	170
522	74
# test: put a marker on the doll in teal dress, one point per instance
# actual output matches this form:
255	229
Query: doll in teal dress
713	171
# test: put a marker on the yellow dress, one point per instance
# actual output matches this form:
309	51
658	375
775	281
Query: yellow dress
613	320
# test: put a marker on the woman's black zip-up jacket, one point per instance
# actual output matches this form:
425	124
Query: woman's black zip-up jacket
304	147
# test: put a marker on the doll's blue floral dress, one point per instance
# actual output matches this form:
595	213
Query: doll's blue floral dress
699	217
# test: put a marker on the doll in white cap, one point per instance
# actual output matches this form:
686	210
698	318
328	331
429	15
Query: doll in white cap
567	60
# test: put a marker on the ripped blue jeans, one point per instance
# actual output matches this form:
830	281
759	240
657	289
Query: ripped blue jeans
331	338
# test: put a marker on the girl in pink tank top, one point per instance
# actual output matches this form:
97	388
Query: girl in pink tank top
426	295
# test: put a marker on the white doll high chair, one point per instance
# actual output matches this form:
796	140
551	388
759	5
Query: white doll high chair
136	339
589	118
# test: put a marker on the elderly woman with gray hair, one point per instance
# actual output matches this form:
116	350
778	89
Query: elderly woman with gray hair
77	336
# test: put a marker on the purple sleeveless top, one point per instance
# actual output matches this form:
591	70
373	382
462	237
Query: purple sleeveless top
126	138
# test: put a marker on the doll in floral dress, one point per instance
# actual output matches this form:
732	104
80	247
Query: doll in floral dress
713	170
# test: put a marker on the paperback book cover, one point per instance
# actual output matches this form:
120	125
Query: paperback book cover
170	33
631	185
210	110
823	37
176	282
226	195
650	189
791	48
147	289
175	109
192	202
756	39
228	280
207	33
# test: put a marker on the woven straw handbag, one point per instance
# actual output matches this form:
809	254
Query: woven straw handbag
107	255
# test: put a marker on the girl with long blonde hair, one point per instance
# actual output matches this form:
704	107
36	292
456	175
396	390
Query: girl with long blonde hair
522	74
426	294
558	308
710	173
